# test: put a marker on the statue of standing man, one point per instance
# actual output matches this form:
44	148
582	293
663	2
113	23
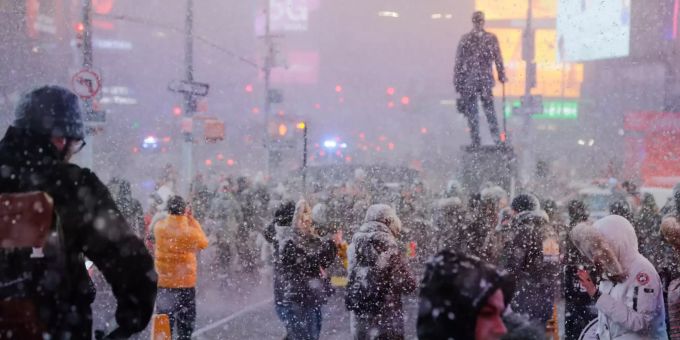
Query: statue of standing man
473	77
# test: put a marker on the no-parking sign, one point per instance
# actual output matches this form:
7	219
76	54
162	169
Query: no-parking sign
86	83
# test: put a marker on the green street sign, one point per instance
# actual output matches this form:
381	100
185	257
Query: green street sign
552	110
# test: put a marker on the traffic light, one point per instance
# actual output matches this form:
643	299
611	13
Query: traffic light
80	34
405	100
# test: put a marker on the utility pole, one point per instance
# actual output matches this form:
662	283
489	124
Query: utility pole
191	90
530	104
189	98
268	64
272	95
87	152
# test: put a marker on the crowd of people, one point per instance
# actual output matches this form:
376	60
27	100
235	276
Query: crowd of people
484	265
381	240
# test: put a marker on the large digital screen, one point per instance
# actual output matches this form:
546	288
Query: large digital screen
593	29
553	79
516	9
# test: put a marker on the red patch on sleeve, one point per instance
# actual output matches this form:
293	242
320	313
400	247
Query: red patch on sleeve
642	278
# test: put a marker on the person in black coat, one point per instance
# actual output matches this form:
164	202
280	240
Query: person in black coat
579	307
301	260
379	276
283	217
531	256
34	155
473	76
130	207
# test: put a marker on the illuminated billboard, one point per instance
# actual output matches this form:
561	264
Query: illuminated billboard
553	79
286	16
516	9
593	29
302	68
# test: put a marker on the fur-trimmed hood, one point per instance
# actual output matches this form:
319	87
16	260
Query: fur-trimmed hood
611	242
385	215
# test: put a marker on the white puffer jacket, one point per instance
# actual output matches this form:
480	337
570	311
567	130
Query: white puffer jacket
631	307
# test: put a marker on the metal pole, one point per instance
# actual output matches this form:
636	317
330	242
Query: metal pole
88	152
268	63
527	83
87	34
189	98
529	57
304	159
505	120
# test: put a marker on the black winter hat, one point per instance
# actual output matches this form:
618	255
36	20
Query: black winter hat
525	202
283	215
176	205
50	111
578	211
454	289
621	207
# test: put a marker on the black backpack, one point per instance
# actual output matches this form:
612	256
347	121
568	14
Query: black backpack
32	263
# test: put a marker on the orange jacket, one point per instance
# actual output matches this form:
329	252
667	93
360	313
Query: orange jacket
178	238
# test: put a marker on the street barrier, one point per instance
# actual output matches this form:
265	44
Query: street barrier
160	329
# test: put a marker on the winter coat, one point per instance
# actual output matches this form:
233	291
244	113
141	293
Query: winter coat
447	222
454	289
301	260
227	216
476	53
579	306
178	238
630	305
375	246
93	227
532	258
200	199
498	237
670	228
128	206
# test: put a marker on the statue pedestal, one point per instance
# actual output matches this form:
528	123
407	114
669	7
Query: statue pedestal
489	163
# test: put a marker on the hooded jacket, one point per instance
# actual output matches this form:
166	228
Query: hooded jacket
374	246
630	304
448	221
178	238
454	289
532	259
